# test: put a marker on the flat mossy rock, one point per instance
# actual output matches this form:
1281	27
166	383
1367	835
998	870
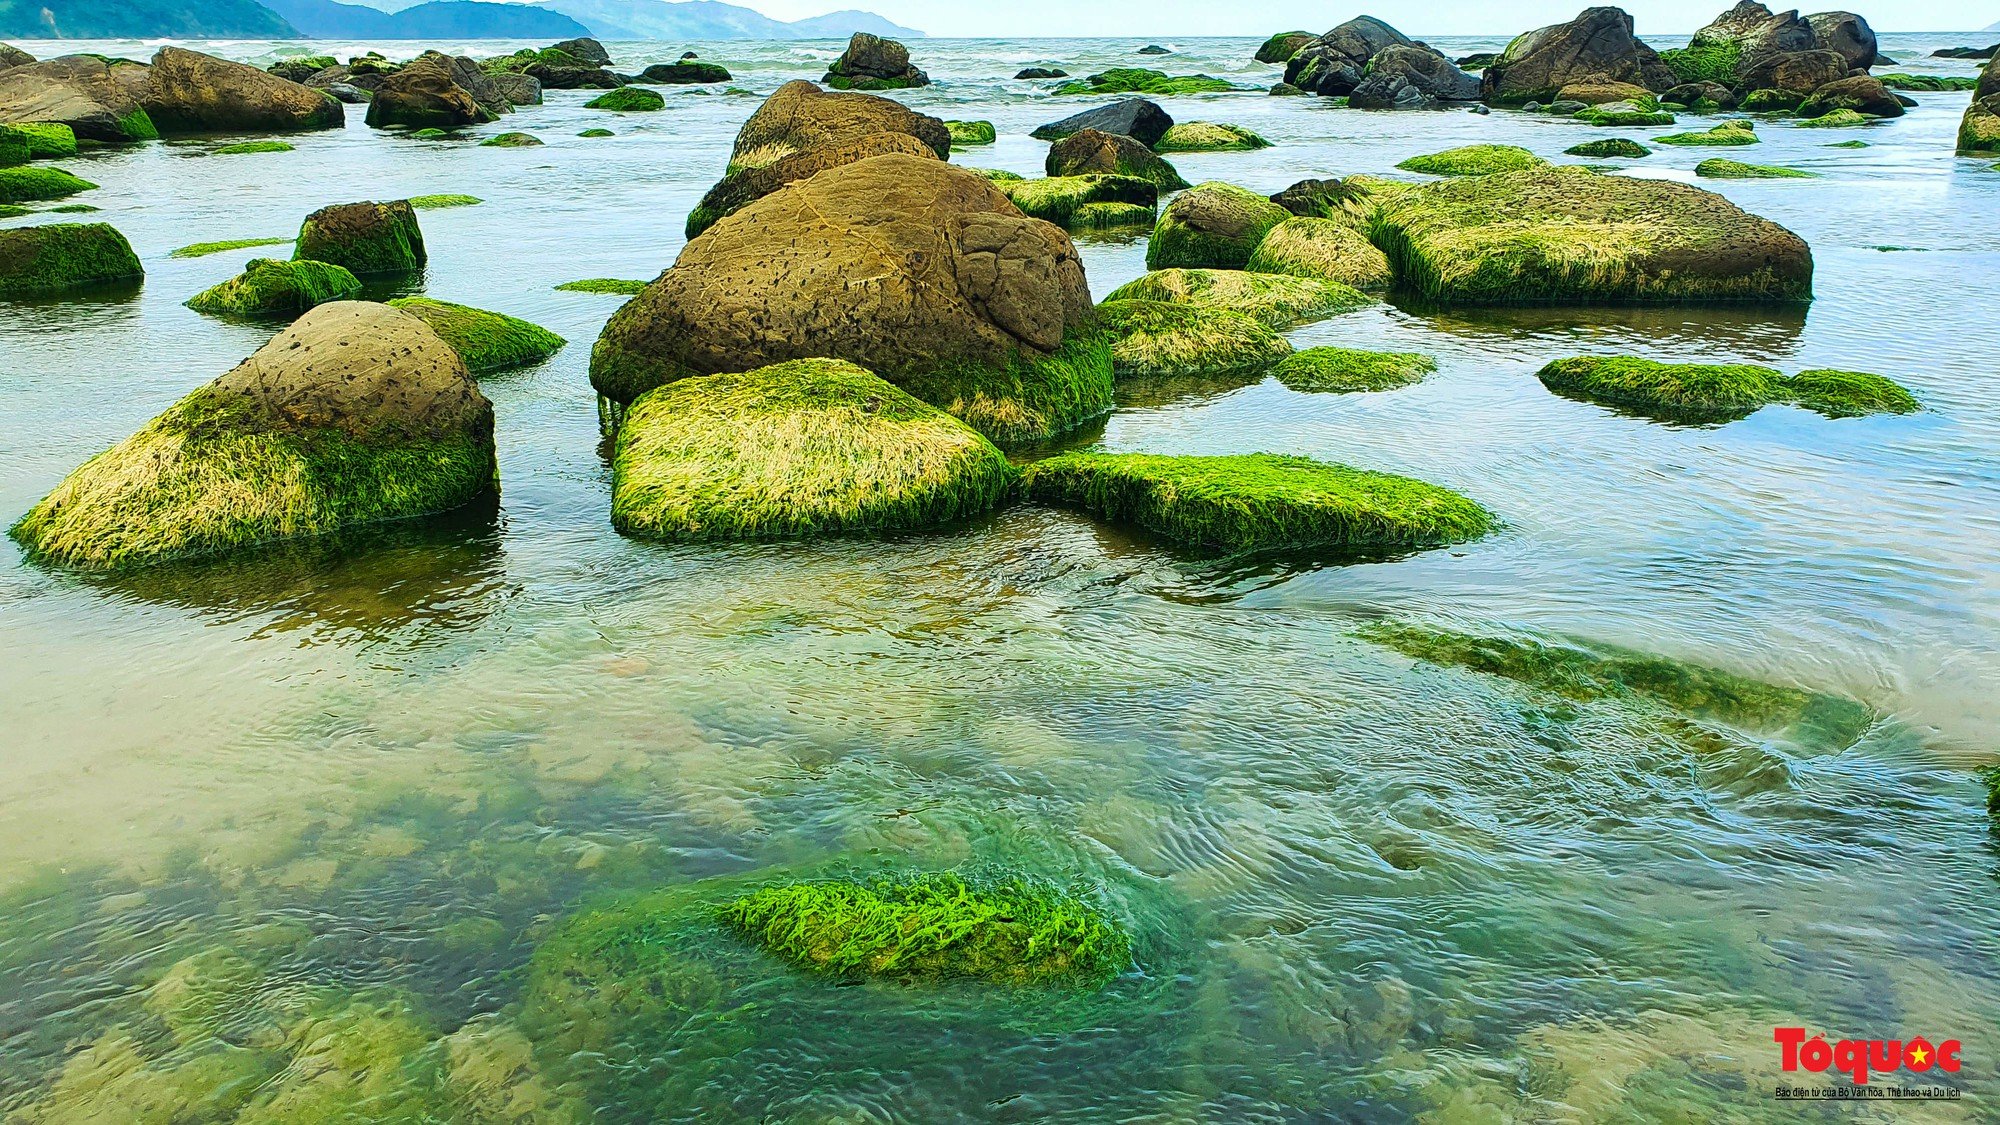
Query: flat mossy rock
1609	147
367	239
804	448
614	285
686	72
1140	80
748	185
1474	160
1279	300
355	414
1721	392
511	140
267	287
59	257
1339	370
1625	114
1205	136
1716	168
252	148
628	99
1163	340
1079	202
204	249
190	92
1212	226
486	341
33	184
1728	134
1258	501
1569	235
1092	152
915	269
799	116
1848	394
1328	249
969	134
1836	119
439	202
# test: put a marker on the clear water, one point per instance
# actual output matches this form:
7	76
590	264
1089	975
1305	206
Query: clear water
1365	887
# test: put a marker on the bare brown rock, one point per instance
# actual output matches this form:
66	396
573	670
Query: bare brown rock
189	92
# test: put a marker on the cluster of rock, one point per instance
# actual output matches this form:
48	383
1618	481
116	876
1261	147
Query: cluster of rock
1375	66
1751	57
179	92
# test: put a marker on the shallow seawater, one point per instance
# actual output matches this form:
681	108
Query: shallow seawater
349	789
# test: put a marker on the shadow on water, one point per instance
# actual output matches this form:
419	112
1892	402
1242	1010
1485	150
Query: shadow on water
1764	332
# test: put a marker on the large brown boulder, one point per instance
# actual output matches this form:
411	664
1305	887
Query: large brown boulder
751	184
915	269
437	91
873	63
800	116
97	98
1596	47
190	92
1796	72
1335	63
12	56
1847	35
1093	153
1861	93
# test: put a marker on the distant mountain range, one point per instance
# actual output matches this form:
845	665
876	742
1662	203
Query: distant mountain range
434	19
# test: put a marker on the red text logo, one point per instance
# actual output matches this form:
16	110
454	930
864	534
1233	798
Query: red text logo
1857	1057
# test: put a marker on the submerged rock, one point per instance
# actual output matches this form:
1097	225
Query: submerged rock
511	140
486	341
268	287
1340	370
1037	72
1608	147
354	414
1328	249
804	448
970	134
1164	340
1279	300
1140	80
32	185
1716	168
1596	47
1727	134
367	239
1205	136
59	257
1258	501
189	92
1137	118
1093	153
1212	226
873	63
684	73
1474	160
800	116
628	99
1699	392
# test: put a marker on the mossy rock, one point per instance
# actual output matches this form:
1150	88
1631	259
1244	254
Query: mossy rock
368	239
431	133
1339	370
628	99
1282	46
13	149
512	140
1112	216
1771	101
356	414
1327	249
203	249
1204	136
486	341
1162	340
59	257
250	148
1848	394
1848	144
809	447
1932	83
1608	147
596	133
1705	61
39	140
1474	160
1140	80
14	210
1258	501
437	202
1063	199
620	285
1025	401
1093	152
1625	115
1837	119
1279	300
268	287
1674	391
1716	168
1212	226
1570	235
1728	134
968	134
32	185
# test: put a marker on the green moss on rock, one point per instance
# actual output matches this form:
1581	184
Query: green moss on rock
1474	160
1733	132
1062	200
1327	249
1690	391
628	99
1849	394
267	287
1204	136
1160	340
40	140
1932	83
1705	61
1339	370
368	239
1212	226
57	257
967	134
431	133
203	249
1771	101
512	140
597	133
1112	216
248	148
1279	300
619	285
1258	501
809	447
1625	115
486	341
433	202
1027	399
1716	168
1140	80
1609	146
1837	119
31	185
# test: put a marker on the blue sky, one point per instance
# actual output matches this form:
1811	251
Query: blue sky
1157	18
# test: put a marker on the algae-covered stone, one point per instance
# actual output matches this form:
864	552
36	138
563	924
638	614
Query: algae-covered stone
595	134
808	447
1626	114
267	287
31	184
1164	340
969	134
486	341
687	72
628	99
368	239
1092	152
1570	235
203	249
511	140
1258	501
1597	46
43	140
58	257
1716	168
1205	136
1609	147
1212	226
1338	370
1979	129
436	91
615	285
355	414
1860	93
1074	202
1836	119
745	186
1328	249
1282	46
871	62
1139	80
800	116
251	148
1848	394
1474	160
1686	391
1732	133
437	202
1280	300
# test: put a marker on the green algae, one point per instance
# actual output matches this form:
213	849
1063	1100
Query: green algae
1593	672
1205	136
512	140
59	257
1990	776
202	249
628	99
431	133
1609	146
969	134
486	341
1770	101
1933	83
1837	119
1257	502
433	202
248	148
39	140
1849	394
597	133
1159	340
1721	392
1848	144
1028	398
1140	80
1328	370
1716	168
1213	225
1326	249
267	287
1733	132
31	185
1473	160
74	209
1707	61
619	285
1279	300
1622	115
14	210
1112	216
1063	200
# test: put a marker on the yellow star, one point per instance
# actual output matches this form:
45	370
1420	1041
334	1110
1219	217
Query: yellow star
1918	1055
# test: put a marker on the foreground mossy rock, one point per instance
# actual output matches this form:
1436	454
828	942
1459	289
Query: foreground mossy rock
356	413
1212	226
1164	340
1091	152
799	116
367	239
43	140
1205	136
1979	129
1140	80
1328	249
189	92
1137	118
808	447
1279	300
267	287
1474	160
1703	392
59	257
970	134
1258	501
628	99
744	187
1596	47
1570	235
1339	370
871	62
1729	134
486	341
98	98
1716	168
33	184
1085	202
1609	147
910	267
